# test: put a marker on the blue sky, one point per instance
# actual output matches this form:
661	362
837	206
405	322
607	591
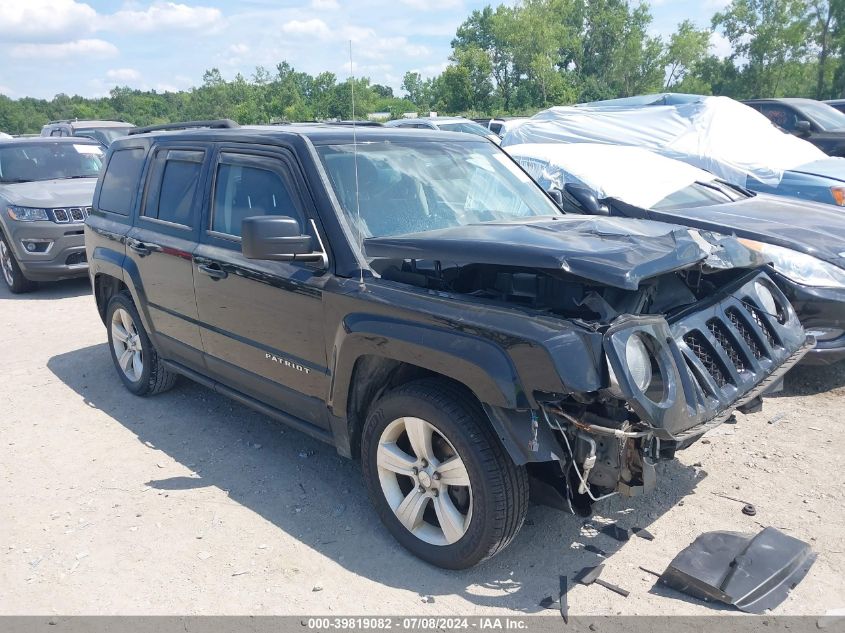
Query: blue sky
88	46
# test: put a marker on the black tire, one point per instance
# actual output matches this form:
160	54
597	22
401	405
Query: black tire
499	497
155	377
18	283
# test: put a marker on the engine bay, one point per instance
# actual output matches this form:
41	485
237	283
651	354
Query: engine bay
556	291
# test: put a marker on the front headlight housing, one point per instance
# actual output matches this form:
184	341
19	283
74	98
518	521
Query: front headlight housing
799	267
638	360
27	214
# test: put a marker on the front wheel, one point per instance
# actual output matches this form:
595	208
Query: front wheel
12	274
439	478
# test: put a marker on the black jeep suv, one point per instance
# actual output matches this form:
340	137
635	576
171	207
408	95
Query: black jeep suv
415	299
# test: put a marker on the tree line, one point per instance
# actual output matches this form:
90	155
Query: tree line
515	60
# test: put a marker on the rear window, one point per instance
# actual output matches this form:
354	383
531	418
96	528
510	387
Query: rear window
121	180
171	198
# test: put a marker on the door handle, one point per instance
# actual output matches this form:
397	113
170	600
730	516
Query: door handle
141	249
213	270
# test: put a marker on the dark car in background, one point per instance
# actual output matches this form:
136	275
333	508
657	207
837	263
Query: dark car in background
804	240
102	131
814	121
46	188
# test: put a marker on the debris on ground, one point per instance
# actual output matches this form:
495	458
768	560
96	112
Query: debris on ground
595	550
590	575
642	533
615	531
753	572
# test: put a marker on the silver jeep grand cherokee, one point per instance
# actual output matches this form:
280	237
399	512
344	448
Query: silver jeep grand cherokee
46	188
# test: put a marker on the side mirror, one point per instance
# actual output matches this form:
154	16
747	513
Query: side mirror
803	127
557	196
586	199
277	238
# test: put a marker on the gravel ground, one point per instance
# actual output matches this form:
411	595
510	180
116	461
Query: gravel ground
188	503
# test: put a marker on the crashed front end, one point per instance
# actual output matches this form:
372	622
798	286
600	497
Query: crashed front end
670	381
637	338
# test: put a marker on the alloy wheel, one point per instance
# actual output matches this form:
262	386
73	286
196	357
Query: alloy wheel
424	481
6	263
126	342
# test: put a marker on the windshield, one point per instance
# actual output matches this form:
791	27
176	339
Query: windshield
826	117
467	127
422	185
698	194
104	135
48	161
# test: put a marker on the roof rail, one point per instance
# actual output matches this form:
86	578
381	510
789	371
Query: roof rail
185	125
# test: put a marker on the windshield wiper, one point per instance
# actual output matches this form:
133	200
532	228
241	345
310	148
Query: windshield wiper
72	177
7	181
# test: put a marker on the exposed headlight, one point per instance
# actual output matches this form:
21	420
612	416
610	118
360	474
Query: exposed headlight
800	268
767	299
638	359
27	214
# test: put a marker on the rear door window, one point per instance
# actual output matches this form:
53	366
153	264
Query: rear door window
173	182
120	180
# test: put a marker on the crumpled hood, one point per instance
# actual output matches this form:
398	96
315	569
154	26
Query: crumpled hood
807	227
611	251
828	167
49	194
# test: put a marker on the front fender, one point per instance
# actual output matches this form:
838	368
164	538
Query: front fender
482	366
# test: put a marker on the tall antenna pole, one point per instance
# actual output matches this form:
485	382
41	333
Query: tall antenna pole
355	161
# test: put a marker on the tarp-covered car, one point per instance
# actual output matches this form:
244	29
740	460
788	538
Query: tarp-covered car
717	134
805	240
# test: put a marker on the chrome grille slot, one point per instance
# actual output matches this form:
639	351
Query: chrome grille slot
744	330
720	333
705	353
77	214
61	216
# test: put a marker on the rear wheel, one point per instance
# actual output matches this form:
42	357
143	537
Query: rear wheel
136	360
438	476
11	271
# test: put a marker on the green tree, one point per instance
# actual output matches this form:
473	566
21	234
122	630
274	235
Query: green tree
768	36
687	47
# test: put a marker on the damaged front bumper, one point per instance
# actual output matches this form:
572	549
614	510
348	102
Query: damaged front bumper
709	360
706	361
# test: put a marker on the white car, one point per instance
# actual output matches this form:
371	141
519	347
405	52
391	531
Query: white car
447	124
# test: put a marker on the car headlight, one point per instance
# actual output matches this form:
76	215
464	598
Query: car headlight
800	268
27	214
638	359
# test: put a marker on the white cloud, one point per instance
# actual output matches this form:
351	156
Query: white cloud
324	5
163	15
123	75
315	27
44	20
239	49
78	49
433	5
719	45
